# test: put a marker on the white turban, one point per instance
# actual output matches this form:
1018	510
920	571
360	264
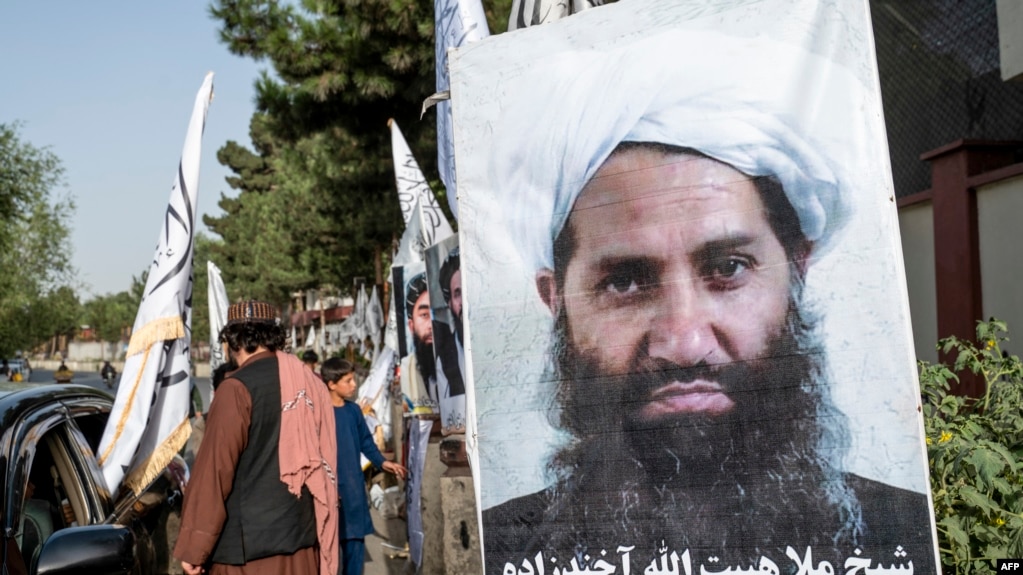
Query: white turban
764	107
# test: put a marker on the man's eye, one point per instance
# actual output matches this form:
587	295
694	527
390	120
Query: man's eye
728	269
627	280
731	266
621	285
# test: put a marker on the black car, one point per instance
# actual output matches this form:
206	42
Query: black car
58	515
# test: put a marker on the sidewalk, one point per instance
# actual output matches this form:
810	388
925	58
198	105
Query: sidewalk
386	549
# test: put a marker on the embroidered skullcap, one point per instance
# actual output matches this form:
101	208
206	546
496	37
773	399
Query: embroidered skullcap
764	107
252	311
413	289
447	271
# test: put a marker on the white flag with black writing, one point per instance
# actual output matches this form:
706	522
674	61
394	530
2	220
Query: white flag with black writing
358	316
458	22
374	319
412	185
149	424
218	304
532	12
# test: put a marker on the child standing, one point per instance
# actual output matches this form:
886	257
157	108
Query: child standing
353	438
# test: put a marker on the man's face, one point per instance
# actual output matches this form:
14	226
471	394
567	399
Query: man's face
456	294
675	272
346	386
419	323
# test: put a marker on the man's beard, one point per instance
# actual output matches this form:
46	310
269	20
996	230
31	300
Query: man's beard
764	476
424	358
458	327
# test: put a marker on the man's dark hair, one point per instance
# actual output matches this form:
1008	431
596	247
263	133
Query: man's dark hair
335	368
447	270
250	336
781	216
221	372
416	287
310	356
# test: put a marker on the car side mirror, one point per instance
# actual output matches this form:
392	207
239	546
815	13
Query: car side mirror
99	549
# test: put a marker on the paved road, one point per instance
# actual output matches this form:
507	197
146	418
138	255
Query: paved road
93	379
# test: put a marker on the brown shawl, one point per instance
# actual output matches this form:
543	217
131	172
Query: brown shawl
308	450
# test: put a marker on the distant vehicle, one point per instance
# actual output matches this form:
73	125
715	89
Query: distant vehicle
19	365
109	374
56	513
63	374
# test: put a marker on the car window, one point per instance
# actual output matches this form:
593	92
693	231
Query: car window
59	482
85	434
53	497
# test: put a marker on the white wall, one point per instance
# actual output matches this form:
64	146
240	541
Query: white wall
95	350
1010	38
916	226
1000	223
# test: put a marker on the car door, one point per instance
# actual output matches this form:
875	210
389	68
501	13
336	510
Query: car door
34	495
54	480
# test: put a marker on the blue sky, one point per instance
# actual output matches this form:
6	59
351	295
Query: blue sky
108	86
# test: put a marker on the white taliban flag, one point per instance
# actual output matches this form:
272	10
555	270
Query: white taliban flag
310	338
149	424
458	22
412	184
374	319
421	232
218	304
358	316
532	12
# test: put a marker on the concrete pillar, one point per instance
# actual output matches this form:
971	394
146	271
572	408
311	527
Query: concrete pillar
461	528
433	515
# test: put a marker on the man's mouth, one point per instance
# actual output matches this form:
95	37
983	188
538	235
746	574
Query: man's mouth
696	397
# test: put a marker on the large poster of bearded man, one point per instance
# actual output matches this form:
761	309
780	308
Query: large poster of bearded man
687	332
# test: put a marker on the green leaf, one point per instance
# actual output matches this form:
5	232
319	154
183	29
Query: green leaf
1002	486
977	499
955	531
988	464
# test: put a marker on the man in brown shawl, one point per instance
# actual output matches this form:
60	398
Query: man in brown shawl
263	495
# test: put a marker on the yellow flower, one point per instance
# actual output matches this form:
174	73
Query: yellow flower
945	436
990	343
928	441
999	522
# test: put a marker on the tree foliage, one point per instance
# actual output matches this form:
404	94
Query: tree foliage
317	202
36	296
975	451
261	249
109	315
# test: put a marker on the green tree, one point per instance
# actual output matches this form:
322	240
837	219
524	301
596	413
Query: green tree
112	315
342	69
262	231
204	250
109	315
34	245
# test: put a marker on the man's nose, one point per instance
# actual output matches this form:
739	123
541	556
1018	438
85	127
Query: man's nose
683	330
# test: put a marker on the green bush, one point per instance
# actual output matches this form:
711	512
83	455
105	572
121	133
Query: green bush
975	452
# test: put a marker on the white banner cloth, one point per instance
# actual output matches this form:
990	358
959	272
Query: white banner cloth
458	22
149	424
218	304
